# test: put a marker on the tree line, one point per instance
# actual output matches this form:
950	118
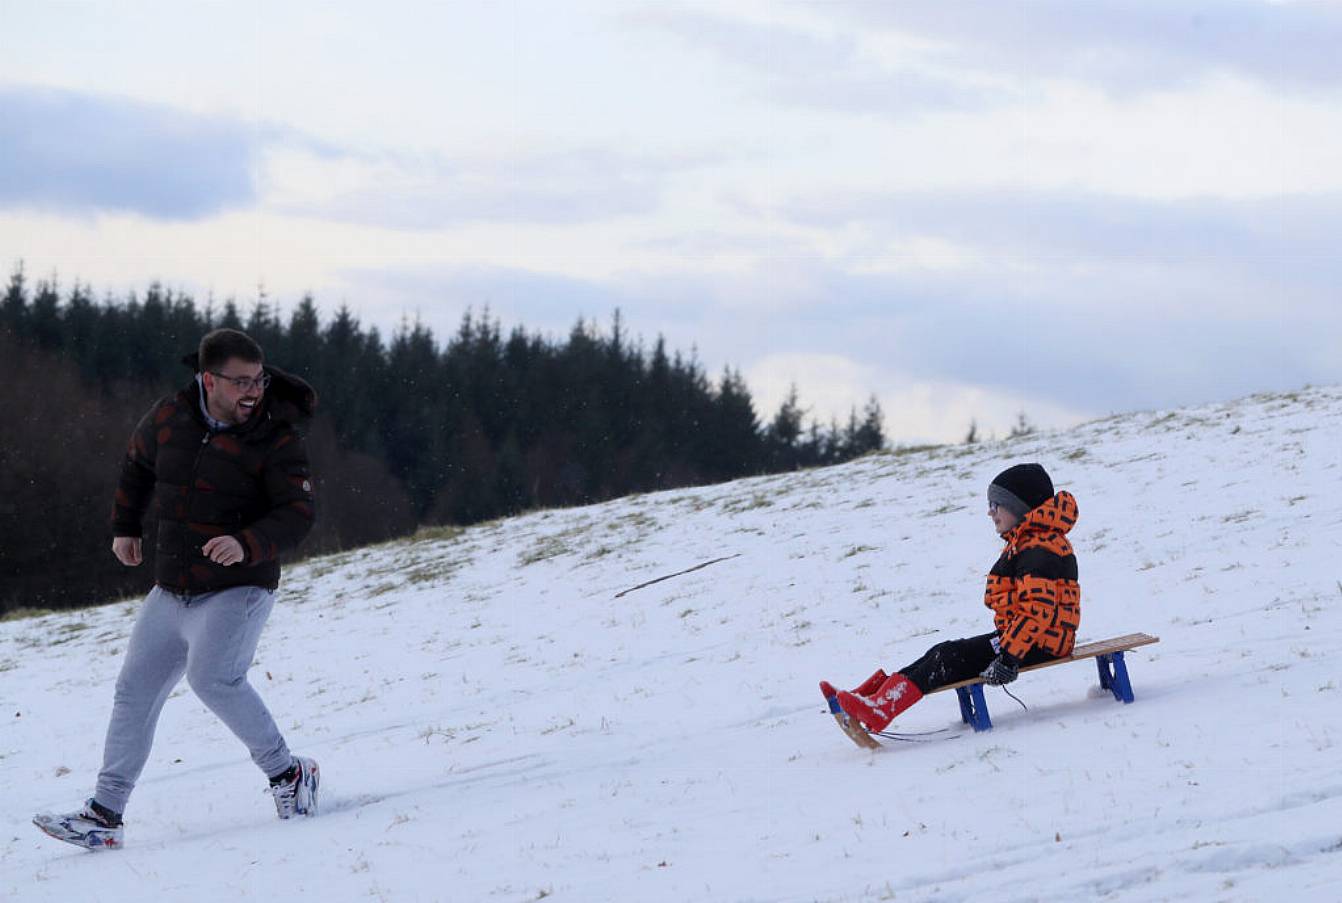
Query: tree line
410	431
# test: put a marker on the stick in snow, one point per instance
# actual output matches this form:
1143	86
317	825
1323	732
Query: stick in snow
676	574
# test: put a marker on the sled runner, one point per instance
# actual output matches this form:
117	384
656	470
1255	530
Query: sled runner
856	732
1109	661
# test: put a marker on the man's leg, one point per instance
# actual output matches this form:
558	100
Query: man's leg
223	629
154	663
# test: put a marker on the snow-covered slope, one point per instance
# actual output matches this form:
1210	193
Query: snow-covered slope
495	721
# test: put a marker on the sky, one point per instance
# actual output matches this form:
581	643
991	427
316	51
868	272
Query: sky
969	210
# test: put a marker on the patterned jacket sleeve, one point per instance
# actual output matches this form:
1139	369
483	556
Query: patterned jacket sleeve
135	488
288	484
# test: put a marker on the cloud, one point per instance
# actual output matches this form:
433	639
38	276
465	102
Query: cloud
406	192
1069	340
1259	243
774	48
83	153
803	69
1127	46
1108	336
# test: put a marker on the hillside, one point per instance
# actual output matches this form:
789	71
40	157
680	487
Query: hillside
495	721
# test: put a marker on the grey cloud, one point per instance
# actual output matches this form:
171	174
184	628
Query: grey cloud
772	48
1124	45
1288	240
1094	339
890	94
710	244
803	70
554	187
1136	303
84	153
1058	342
1066	339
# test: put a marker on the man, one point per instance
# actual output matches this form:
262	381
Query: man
1032	591
233	492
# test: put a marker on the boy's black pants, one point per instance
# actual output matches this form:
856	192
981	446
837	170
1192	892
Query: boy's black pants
956	660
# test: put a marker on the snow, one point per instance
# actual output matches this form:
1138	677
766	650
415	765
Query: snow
494	723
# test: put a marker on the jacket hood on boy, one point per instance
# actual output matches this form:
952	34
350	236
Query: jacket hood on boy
1057	515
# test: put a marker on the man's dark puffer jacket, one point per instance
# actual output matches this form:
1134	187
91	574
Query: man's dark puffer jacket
251	482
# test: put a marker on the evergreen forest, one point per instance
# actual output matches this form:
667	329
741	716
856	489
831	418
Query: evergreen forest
411	431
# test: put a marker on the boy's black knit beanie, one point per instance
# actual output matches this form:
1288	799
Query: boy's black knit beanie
1021	488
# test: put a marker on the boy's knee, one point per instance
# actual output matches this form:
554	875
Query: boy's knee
939	651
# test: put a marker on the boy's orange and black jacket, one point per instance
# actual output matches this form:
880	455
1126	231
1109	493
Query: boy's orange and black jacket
1033	589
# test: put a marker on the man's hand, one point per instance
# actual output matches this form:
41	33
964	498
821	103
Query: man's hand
1001	670
223	550
127	550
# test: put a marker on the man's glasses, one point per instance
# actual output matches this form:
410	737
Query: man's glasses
992	507
247	383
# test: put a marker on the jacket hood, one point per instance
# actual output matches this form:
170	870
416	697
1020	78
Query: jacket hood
288	397
1057	515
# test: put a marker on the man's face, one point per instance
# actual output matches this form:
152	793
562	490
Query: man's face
227	400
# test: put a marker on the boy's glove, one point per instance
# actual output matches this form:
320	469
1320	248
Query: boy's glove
1001	670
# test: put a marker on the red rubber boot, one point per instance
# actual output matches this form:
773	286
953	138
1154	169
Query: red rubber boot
879	709
866	688
872	684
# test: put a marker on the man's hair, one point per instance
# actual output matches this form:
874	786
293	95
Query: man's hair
220	346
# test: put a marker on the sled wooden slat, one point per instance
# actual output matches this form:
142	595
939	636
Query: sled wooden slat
1108	655
1089	650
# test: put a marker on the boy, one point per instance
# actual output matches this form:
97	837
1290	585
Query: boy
1032	591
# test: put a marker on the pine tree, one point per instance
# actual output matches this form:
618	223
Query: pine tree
735	429
1022	427
303	341
870	433
785	431
44	315
81	328
230	318
14	306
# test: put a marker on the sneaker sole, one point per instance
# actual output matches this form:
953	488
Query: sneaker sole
95	841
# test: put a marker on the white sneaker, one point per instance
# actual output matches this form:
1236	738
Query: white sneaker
299	796
85	828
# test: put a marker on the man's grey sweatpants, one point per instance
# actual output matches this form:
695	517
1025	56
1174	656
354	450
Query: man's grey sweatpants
210	638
